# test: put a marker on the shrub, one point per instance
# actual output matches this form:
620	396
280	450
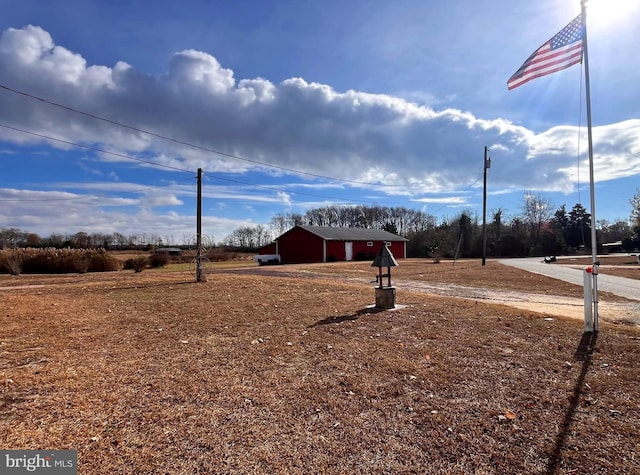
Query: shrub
101	261
138	263
80	263
220	254
12	260
159	259
56	261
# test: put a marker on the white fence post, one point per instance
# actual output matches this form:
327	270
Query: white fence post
588	299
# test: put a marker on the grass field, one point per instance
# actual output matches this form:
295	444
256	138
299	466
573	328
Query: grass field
257	371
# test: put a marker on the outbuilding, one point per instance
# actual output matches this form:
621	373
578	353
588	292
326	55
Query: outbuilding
305	244
170	251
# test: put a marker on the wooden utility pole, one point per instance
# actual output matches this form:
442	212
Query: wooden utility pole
487	164
199	273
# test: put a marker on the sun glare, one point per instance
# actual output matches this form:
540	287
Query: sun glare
605	14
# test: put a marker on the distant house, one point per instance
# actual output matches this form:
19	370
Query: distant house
609	247
171	251
304	244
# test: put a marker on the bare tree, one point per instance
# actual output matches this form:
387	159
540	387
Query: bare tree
12	237
635	209
33	240
55	240
537	211
81	240
497	222
249	237
278	224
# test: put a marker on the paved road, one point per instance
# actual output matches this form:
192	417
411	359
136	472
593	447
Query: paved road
629	288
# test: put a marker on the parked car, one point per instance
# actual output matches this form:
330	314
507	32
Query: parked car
264	259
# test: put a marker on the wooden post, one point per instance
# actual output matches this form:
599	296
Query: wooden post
487	164
199	274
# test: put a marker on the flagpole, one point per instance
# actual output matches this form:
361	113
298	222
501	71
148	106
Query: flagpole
566	48
594	243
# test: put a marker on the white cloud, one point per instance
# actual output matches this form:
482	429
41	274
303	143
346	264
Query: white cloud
457	200
155	199
408	148
285	198
296	124
197	72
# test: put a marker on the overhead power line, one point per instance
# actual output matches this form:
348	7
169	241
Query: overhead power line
96	149
87	197
187	144
149	162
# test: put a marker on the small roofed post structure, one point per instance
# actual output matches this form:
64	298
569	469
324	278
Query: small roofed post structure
385	295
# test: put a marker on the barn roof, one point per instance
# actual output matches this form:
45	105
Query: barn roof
352	234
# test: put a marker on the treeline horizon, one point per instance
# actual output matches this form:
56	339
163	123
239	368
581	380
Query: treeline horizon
537	231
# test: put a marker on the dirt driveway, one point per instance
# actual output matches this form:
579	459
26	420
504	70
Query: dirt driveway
618	312
551	296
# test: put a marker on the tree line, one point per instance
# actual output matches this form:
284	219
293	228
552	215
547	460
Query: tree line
13	238
538	230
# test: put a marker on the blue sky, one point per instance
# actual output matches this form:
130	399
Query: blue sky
310	103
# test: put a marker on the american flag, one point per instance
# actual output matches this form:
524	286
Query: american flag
560	52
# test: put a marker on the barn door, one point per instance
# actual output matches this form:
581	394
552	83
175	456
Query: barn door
348	251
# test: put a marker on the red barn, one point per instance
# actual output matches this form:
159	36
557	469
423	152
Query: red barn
327	244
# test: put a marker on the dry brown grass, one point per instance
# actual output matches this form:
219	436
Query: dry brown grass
466	273
265	373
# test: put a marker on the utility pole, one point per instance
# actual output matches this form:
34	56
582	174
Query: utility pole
487	164
199	273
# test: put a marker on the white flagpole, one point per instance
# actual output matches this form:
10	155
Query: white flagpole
594	243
